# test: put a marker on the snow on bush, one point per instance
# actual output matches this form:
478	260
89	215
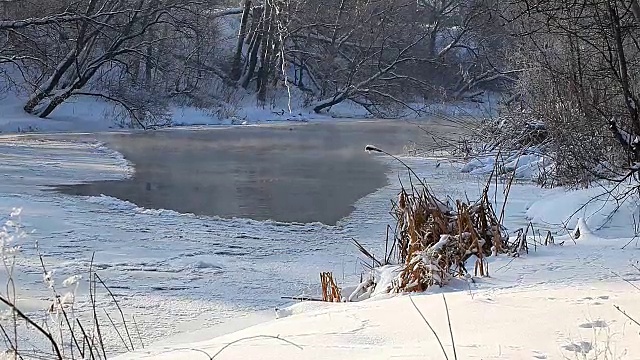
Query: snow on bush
54	328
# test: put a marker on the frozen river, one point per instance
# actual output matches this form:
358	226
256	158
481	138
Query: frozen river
178	272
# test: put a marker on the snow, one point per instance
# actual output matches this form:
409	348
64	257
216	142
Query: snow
76	115
86	114
529	165
26	160
496	325
191	291
556	302
559	302
442	242
485	164
82	114
601	207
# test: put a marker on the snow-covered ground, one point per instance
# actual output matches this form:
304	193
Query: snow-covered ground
562	301
202	277
86	114
558	323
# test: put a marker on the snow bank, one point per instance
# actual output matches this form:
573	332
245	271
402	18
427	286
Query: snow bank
115	204
54	160
597	206
85	114
530	165
76	115
552	324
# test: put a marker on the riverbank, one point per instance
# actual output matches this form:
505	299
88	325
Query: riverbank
180	273
550	323
175	272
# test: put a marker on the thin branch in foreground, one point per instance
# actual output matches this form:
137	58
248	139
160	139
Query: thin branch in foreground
62	310
39	328
453	343
256	337
137	331
86	340
373	148
366	253
623	279
444	352
300	298
124	322
625	314
92	297
115	327
8	340
233	343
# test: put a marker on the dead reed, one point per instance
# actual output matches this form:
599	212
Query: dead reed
434	240
330	290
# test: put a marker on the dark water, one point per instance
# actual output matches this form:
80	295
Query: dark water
289	173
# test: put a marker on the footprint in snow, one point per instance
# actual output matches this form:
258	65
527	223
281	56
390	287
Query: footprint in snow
594	324
590	298
539	355
582	347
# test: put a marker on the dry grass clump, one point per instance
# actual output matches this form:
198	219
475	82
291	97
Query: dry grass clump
434	240
330	291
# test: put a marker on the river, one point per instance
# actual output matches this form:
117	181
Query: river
289	173
185	242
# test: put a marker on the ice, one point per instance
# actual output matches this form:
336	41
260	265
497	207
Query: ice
180	273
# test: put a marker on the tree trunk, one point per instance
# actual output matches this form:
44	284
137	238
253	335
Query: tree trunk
254	47
80	81
148	63
237	57
54	103
629	98
344	95
45	90
635	9
265	54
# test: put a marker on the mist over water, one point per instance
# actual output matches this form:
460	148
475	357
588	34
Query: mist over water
288	173
180	272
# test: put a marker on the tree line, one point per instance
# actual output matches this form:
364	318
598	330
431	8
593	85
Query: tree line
570	65
580	80
145	54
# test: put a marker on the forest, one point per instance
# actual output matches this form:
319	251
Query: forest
565	72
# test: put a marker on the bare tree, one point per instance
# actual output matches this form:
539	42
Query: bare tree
146	54
121	51
581	80
371	52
